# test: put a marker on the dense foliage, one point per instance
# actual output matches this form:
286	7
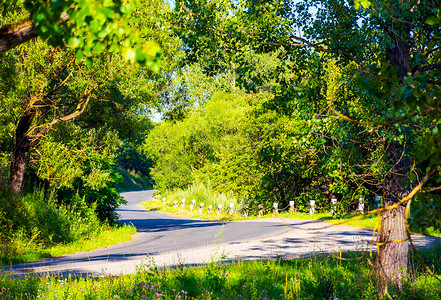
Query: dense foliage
350	109
267	100
73	109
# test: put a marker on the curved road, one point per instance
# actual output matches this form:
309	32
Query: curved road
157	234
169	241
163	233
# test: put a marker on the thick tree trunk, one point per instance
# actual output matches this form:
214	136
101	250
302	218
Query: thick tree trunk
391	261
20	154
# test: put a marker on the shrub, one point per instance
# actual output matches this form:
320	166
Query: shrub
37	220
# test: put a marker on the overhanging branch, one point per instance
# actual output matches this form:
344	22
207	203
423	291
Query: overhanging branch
13	35
81	107
427	68
389	123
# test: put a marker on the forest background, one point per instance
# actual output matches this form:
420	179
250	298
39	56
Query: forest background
268	101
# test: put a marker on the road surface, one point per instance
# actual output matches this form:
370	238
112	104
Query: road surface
164	240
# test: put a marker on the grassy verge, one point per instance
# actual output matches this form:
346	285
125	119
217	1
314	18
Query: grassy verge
343	276
369	221
132	181
106	237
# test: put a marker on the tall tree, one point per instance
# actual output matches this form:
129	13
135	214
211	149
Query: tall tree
390	51
47	86
398	65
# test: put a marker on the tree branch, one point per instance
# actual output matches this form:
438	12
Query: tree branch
389	123
434	82
13	35
427	68
16	34
78	111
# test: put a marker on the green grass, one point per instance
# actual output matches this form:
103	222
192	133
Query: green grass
132	181
342	276
106	237
203	193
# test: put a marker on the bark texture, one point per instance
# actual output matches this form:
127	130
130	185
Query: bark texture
391	262
13	35
30	130
20	154
392	257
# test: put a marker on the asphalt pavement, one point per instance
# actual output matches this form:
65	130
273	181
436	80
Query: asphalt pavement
168	241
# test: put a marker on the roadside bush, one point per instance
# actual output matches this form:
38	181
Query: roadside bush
37	220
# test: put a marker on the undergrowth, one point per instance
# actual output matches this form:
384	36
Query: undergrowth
343	276
36	225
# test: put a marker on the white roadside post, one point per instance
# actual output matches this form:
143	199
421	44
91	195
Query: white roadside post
163	200
291	206
260	210
219	209
377	200
311	207
201	207
361	205
276	207
231	208
175	203
210	207
334	205
192	204
183	203
245	210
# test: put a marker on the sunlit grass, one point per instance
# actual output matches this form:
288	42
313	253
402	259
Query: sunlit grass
317	277
106	237
132	181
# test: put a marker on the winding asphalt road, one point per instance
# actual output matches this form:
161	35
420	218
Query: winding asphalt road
169	241
157	234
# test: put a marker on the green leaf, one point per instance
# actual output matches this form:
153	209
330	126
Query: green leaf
99	47
74	42
128	54
108	3
364	3
432	20
127	9
79	54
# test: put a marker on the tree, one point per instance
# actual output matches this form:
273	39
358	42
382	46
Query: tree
398	67
389	56
66	84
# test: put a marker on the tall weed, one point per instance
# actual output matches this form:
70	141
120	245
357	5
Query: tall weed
204	193
36	220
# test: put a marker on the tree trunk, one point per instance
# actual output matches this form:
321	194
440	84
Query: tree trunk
391	262
20	154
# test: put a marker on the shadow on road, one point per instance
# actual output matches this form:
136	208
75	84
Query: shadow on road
166	224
